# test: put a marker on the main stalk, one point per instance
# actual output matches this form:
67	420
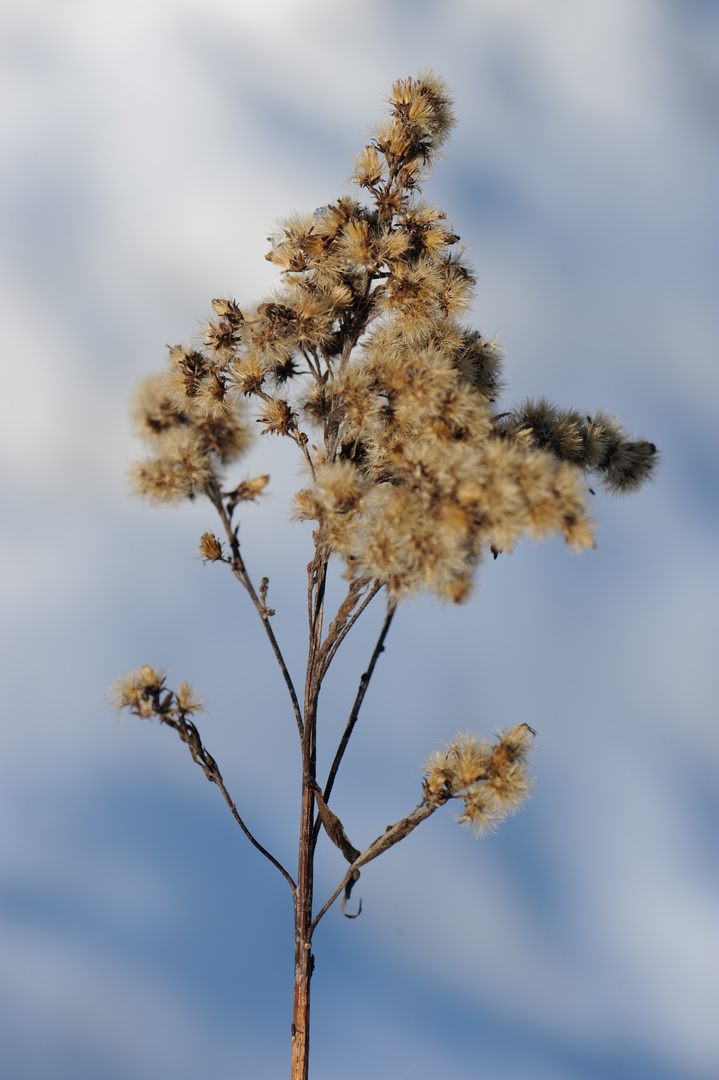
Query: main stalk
304	960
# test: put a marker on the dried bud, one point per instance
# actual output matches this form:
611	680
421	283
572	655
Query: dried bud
306	505
368	167
491	781
229	310
139	691
210	548
279	418
188	700
250	489
150	678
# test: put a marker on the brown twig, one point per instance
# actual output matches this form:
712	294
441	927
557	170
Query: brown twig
391	836
342	624
189	734
301	439
352	720
240	571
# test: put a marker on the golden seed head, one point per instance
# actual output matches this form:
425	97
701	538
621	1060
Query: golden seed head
491	781
210	548
363	343
188	700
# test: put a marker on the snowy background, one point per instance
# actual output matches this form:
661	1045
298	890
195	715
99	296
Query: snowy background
147	148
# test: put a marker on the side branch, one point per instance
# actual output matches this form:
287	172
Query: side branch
301	439
190	735
394	833
349	728
316	586
145	694
342	624
240	571
391	836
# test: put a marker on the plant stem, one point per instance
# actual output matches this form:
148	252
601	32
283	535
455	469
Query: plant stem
364	683
391	836
240	571
304	960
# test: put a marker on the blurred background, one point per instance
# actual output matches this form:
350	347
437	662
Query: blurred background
148	147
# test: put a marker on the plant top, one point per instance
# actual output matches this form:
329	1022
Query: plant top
362	358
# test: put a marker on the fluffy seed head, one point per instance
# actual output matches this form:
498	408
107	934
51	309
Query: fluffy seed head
210	548
491	781
414	474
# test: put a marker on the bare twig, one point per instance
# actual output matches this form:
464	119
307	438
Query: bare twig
301	439
240	571
316	583
391	836
352	720
342	624
191	737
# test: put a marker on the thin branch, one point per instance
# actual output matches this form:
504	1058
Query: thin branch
391	836
349	728
355	590
349	876
250	837
300	438
328	653
317	580
191	737
316	583
312	362
240	571
394	833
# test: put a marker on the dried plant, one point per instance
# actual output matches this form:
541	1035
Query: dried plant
412	475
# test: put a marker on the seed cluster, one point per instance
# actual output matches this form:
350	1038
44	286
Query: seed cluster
362	358
490	779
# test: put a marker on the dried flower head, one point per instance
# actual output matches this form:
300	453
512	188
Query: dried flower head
188	700
190	426
139	691
416	476
210	548
144	693
491	781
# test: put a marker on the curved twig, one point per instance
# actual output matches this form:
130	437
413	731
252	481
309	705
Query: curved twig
240	571
352	720
189	734
391	836
251	838
332	644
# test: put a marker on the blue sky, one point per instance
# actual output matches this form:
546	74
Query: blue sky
147	150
